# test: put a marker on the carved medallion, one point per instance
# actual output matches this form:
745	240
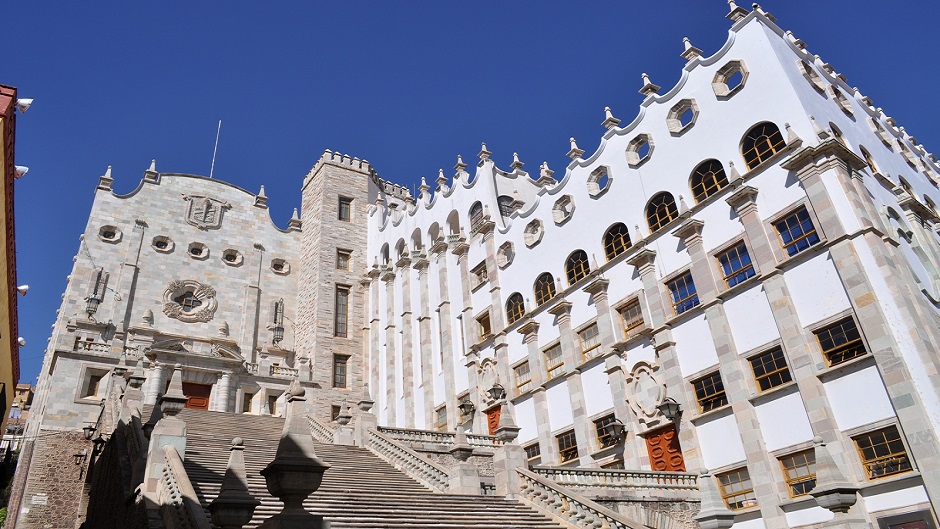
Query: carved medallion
205	213
488	377
645	391
189	301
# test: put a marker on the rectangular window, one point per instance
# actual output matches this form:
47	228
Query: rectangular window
736	266
94	384
339	370
736	489
334	412
799	470
341	311
533	453
272	404
604	439
710	392
882	453
682	293
616	464
342	259
246	402
345	209
840	342
567	446
590	339
523	377
441	415
483	324
554	362
478	275
770	369
796	231
632	318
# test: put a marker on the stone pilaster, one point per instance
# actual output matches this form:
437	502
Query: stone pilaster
598	291
248	337
445	320
376	356
155	383
224	390
407	343
690	232
425	341
391	353
744	202
123	304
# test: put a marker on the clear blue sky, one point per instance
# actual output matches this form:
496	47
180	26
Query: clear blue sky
406	85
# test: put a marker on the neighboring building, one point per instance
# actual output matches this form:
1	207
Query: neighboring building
9	348
751	263
13	433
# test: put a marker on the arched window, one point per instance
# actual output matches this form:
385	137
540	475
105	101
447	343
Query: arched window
577	266
544	288
760	143
515	307
505	205
707	179
476	215
868	159
616	240
661	210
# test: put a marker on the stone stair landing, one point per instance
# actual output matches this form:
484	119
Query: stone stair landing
359	491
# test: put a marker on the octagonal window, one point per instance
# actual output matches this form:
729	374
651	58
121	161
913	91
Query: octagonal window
729	79
533	233
563	209
162	244
197	250
639	150
599	181
809	73
110	234
841	100
682	116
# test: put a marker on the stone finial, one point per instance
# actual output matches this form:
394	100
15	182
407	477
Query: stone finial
832	491
459	166
296	471
147	318
234	506
733	174
516	162
760	10
507	430
575	152
423	188
689	52
736	13
153	166
261	193
295	221
442	180
462	449
609	120
121	368
173	400
821	133
366	402
648	87
545	176
792	136
683	207
105	180
484	154
345	415
223	328
137	376
713	513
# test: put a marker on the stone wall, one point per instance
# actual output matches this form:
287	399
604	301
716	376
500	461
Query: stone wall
52	496
655	513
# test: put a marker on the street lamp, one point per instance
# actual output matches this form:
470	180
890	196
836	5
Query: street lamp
497	392
466	407
616	430
670	409
89	431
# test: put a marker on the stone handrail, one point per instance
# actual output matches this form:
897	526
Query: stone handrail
179	505
283	372
441	438
621	479
320	431
568	506
408	461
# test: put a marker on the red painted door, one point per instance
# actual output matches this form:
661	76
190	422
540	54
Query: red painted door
664	450
492	419
198	395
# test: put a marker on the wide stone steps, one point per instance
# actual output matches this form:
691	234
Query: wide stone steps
359	491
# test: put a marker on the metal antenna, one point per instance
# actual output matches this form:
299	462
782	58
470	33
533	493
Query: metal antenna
215	149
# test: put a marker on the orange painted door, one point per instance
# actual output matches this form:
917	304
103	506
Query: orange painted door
198	395
492	419
665	452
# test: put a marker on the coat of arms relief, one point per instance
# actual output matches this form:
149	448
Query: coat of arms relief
204	212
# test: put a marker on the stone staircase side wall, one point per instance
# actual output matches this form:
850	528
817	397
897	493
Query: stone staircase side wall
656	514
106	506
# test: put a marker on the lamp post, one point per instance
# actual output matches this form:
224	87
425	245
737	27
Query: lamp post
466	407
497	392
670	409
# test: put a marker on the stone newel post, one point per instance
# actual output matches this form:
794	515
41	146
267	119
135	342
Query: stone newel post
365	419
233	507
463	477
168	431
296	471
509	456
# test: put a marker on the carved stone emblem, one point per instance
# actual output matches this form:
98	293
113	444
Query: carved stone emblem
645	391
205	213
189	301
488	377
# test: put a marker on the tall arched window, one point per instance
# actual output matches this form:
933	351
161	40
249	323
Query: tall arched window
505	205
544	288
760	143
515	307
661	210
577	266
616	240
707	179
476	215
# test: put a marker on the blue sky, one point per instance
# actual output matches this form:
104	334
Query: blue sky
406	85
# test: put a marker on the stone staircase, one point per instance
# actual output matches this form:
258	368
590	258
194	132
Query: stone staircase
359	491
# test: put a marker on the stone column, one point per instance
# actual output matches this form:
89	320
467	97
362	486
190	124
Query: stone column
407	343
375	350
446	325
155	383
224	387
425	340
467	323
391	354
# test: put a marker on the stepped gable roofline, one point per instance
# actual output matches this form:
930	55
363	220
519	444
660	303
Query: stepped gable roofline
161	176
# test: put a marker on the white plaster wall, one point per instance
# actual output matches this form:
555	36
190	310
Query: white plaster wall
783	422
597	393
816	289
841	202
694	347
641	351
895	499
720	442
559	406
751	319
811	515
858	398
525	418
721	225
756	523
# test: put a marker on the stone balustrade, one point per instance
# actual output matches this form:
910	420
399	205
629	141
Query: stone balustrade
556	501
282	372
251	367
439	438
589	478
85	346
321	432
179	505
408	461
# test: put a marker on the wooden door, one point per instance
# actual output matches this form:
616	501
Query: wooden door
198	395
492	419
664	450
